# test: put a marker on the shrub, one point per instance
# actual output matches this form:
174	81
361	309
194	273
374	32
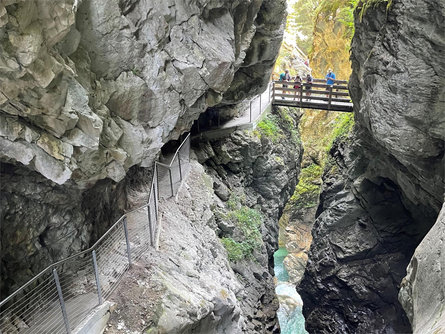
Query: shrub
308	188
248	221
343	125
269	127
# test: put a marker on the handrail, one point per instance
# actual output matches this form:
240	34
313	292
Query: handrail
91	248
176	153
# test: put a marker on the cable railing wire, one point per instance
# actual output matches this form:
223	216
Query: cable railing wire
58	298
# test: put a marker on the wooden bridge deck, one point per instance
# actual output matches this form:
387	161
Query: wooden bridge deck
315	96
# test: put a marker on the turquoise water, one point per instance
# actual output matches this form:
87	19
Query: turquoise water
289	313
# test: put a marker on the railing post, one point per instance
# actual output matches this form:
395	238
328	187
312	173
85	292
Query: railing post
127	240
150	225
260	105
330	97
250	111
268	91
62	303
157	181
155	191
179	163
171	181
273	92
301	93
96	274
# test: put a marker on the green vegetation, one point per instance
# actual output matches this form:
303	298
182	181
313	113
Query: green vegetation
308	188
269	127
289	123
248	222
371	4
343	126
274	126
235	251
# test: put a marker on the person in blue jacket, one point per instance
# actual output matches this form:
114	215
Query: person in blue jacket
330	78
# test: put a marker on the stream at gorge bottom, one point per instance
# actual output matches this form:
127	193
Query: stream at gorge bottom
290	314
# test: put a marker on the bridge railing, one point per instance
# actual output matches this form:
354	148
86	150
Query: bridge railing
321	93
59	297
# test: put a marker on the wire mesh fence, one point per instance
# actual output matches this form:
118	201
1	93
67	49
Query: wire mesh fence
62	295
171	175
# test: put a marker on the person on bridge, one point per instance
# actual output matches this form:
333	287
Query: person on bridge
308	85
284	77
297	84
330	78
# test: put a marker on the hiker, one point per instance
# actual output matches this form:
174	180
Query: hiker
297	85
284	77
330	78
308	84
306	62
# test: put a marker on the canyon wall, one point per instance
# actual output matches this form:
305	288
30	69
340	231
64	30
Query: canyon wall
89	93
385	185
213	271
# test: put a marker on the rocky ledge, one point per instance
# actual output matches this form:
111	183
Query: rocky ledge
90	92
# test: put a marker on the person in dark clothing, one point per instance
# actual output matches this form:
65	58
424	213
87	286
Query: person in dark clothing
308	84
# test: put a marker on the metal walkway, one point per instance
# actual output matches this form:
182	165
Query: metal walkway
317	95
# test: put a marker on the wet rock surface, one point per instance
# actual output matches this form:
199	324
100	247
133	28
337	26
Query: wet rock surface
93	89
363	239
386	188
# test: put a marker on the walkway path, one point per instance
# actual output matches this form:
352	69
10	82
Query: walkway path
248	120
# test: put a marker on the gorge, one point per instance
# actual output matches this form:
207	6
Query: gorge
92	93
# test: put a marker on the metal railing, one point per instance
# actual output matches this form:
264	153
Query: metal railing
254	108
171	175
314	95
58	298
261	100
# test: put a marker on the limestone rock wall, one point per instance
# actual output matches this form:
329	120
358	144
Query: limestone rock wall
92	89
386	187
112	81
192	285
262	172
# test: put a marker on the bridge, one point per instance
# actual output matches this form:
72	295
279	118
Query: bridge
317	95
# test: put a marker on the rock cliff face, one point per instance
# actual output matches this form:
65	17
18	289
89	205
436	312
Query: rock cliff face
386	187
91	90
198	282
423	289
258	170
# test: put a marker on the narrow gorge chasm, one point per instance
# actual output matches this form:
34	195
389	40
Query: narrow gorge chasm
384	188
245	208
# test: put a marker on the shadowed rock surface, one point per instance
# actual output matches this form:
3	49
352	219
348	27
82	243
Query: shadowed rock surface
386	187
423	289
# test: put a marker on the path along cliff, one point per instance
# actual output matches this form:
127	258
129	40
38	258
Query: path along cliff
213	270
